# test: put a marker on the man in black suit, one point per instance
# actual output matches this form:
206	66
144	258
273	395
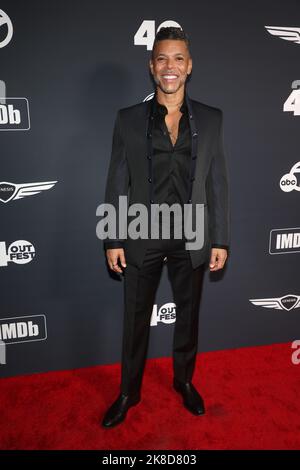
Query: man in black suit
166	150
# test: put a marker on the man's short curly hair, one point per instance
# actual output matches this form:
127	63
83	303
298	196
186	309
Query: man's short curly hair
171	32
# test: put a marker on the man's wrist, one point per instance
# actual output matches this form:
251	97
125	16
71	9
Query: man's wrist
218	245
113	244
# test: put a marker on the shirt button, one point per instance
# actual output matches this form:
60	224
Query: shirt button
150	180
149	157
189	200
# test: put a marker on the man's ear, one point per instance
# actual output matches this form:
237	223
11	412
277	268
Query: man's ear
150	65
190	66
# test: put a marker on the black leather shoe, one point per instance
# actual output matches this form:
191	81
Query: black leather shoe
191	398
118	410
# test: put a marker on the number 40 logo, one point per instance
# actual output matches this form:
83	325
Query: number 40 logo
146	33
293	102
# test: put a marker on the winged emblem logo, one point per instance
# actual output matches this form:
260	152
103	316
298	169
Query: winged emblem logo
287	33
11	191
287	302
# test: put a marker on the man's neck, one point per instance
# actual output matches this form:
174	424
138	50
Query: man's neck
172	101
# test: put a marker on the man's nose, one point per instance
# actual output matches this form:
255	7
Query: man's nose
170	64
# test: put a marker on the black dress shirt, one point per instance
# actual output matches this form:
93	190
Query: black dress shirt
171	163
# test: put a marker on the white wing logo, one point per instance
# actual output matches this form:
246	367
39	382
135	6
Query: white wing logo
289	34
10	191
5	20
287	302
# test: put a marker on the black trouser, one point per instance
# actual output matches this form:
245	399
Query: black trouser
140	286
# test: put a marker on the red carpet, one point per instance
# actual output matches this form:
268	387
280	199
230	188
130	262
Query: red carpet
251	396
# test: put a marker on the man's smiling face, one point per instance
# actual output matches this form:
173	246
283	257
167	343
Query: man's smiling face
170	65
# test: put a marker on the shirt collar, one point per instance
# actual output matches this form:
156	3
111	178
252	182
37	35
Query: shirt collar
159	108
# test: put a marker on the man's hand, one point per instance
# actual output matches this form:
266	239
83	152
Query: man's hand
217	258
113	255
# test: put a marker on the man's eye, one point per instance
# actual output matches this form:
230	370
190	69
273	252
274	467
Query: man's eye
180	58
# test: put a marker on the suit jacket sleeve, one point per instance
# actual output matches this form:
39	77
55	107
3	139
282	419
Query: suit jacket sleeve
217	185
117	182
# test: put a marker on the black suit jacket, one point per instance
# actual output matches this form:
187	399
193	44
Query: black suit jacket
129	174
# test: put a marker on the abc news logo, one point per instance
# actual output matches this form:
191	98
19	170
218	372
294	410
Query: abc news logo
23	329
284	241
289	181
14	114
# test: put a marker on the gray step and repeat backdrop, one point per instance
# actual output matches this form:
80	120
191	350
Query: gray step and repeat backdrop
66	67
